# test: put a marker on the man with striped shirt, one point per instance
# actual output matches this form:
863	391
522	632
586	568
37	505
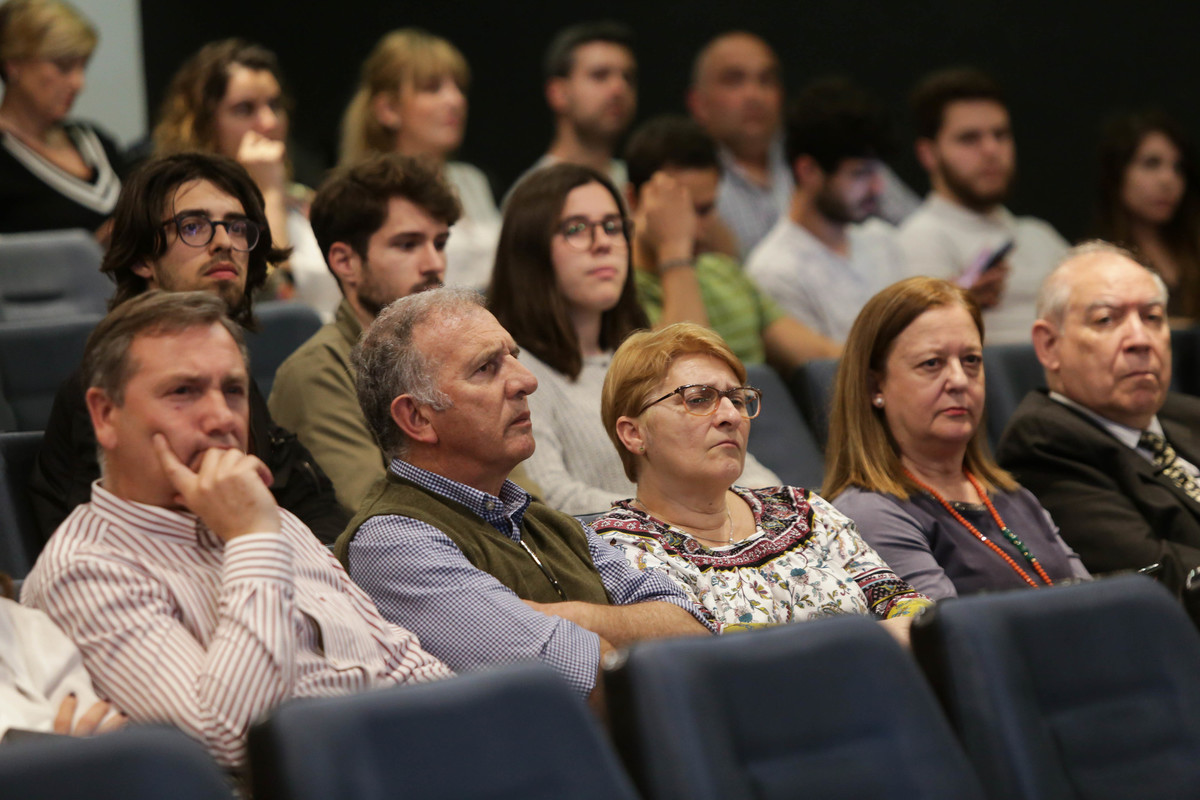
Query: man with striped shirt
193	597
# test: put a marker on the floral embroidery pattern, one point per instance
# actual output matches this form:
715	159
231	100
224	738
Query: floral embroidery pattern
805	560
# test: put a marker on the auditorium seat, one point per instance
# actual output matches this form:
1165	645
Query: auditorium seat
1090	691
51	274
138	763
779	437
35	358
282	327
19	538
1011	372
513	733
812	388
830	709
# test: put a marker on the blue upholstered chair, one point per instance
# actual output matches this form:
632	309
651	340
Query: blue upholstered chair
779	437
515	733
1089	691
139	763
827	709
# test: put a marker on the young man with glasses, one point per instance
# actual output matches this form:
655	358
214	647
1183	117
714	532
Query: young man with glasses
450	548
183	223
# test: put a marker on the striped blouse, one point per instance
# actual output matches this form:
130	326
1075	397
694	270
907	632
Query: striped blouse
177	626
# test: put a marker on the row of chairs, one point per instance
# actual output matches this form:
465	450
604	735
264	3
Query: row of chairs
37	356
1088	692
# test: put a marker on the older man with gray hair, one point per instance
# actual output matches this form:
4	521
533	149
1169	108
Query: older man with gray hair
446	543
1108	450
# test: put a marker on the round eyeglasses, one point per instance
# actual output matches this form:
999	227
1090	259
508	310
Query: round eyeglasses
702	400
580	233
197	230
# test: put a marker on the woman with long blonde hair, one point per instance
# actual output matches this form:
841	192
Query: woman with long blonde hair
411	99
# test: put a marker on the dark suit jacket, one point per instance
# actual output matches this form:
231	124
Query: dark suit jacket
1110	504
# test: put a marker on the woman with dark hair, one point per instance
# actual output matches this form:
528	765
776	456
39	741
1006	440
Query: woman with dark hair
54	174
907	457
563	287
1150	203
229	99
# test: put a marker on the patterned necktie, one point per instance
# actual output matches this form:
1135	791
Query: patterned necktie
1168	463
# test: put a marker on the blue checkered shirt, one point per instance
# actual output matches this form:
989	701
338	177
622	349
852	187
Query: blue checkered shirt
421	580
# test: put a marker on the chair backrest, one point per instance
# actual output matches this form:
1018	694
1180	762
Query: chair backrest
1089	691
1185	352
515	732
812	388
49	274
779	437
19	536
35	358
282	327
1012	371
140	763
826	709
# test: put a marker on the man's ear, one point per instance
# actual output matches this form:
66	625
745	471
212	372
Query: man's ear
386	108
413	420
1046	342
807	172
102	409
631	198
926	153
630	432
345	264
556	94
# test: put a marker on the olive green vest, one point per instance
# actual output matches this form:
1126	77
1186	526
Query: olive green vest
556	538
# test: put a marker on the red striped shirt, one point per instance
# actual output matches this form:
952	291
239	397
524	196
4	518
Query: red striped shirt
177	626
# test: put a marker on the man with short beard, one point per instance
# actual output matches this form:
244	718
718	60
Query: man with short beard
965	143
382	225
819	262
591	88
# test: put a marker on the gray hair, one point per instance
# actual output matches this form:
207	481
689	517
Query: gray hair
1055	292
387	364
106	362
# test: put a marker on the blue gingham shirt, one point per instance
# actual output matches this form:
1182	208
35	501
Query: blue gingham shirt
421	580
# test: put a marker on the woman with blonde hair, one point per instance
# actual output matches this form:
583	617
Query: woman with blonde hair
907	457
411	99
229	99
676	406
54	173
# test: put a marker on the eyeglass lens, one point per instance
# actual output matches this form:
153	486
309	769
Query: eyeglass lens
198	231
703	400
581	233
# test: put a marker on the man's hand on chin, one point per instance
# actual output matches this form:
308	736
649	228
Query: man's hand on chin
229	490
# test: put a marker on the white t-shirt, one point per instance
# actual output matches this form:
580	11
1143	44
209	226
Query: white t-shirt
816	285
943	239
471	248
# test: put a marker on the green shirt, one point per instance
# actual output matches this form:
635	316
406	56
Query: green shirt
737	309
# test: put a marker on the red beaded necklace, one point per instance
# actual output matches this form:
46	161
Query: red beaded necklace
1004	529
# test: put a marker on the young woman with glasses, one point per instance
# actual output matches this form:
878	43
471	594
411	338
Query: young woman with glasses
563	287
676	405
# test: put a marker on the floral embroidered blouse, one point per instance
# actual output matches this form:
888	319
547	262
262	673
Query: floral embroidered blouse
805	559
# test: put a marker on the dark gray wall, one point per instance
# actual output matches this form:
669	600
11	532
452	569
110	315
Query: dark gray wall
1066	64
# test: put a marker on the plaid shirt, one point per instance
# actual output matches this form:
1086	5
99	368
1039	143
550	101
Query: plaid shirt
420	579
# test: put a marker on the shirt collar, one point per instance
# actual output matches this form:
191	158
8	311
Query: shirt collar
1126	435
510	505
182	527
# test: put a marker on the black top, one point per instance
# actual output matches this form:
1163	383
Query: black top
67	464
36	195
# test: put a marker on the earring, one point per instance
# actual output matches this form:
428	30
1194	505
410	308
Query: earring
642	449
878	401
